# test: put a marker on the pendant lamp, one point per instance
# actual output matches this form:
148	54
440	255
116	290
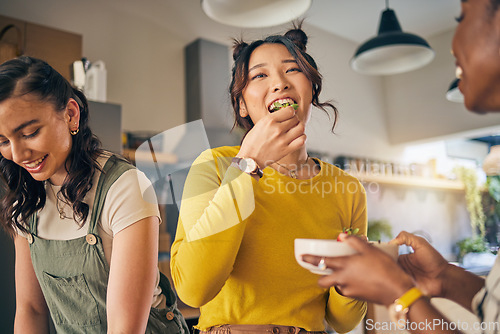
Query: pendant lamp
454	94
254	13
392	51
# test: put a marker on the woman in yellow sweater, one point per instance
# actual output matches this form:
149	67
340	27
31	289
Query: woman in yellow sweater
243	206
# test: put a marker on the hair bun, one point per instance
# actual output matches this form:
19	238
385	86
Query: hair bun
238	47
298	37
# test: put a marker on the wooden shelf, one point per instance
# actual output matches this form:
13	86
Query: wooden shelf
410	181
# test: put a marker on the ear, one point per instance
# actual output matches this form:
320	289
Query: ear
72	115
243	109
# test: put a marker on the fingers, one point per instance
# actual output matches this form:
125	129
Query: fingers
283	114
405	238
291	134
288	124
358	243
331	262
328	281
295	137
274	137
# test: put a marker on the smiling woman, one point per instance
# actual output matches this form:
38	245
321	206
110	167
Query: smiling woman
28	132
243	206
80	223
404	286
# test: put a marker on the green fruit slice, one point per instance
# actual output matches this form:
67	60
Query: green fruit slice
278	106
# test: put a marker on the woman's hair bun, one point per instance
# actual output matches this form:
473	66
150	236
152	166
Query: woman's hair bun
238	47
298	37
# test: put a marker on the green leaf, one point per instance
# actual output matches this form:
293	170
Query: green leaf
472	245
494	186
350	231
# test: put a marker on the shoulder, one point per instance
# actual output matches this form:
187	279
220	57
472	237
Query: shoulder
222	152
125	177
213	163
332	170
220	155
340	176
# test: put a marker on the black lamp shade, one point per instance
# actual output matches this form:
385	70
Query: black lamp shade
453	94
392	51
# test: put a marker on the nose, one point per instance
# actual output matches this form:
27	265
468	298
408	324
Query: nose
280	83
19	153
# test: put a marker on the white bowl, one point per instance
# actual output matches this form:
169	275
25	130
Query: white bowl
327	247
320	247
391	249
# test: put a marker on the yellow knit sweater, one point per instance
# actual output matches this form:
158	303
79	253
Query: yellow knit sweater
233	255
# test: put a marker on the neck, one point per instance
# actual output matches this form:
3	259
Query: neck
294	159
297	165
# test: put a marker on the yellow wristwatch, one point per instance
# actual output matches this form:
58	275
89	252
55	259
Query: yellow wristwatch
398	310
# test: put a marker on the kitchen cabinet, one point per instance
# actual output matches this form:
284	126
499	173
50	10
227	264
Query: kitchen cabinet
58	48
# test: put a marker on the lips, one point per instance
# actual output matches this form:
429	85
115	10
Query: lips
271	107
34	164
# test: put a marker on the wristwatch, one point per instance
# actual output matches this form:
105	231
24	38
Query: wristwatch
398	310
248	165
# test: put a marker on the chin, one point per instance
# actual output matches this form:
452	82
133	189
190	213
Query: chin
479	107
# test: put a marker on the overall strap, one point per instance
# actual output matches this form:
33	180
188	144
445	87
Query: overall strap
32	223
112	170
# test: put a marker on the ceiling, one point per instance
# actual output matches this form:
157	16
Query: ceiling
357	20
354	20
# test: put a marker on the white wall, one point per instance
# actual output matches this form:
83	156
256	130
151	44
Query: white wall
144	61
416	104
439	215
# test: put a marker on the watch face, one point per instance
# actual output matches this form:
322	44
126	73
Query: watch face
247	165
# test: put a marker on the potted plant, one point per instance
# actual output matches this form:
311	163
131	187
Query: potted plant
491	202
475	244
379	228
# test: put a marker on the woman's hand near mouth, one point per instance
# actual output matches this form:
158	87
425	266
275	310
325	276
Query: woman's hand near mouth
273	137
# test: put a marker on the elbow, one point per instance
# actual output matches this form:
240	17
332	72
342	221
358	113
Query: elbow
193	296
350	317
193	292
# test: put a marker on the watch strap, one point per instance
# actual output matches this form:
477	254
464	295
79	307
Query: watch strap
407	299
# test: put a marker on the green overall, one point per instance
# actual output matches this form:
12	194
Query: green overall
73	274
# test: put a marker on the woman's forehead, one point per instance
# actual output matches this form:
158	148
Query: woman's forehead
269	51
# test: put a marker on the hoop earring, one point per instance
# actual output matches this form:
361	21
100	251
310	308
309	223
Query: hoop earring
73	133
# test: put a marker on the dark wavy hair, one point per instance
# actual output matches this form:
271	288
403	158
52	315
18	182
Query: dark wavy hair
295	40
24	195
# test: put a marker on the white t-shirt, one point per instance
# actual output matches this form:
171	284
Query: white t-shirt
130	199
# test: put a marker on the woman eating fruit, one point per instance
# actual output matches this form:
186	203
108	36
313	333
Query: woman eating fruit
243	206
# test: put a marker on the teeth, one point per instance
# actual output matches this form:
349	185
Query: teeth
286	101
458	72
35	163
281	101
